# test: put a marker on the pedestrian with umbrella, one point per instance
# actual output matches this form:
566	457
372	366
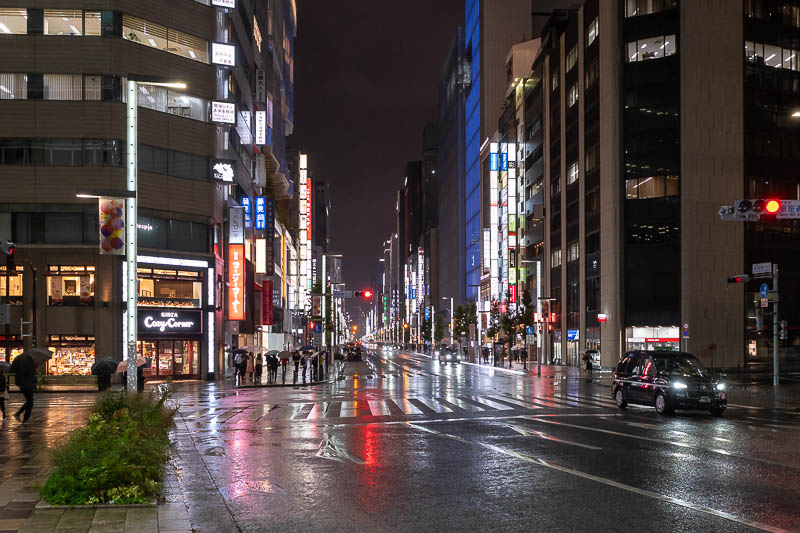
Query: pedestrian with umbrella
3	387
284	357
24	370
122	368
104	369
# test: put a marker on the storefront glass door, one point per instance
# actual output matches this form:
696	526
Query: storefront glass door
171	358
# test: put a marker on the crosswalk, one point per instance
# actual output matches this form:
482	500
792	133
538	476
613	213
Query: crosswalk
388	407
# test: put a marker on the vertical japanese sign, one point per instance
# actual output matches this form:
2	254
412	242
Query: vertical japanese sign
236	271
261	213
308	209
112	225
269	227
248	221
236	264
266	302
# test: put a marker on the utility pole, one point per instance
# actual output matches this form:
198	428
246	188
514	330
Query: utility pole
775	320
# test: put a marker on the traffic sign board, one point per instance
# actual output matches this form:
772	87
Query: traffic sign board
764	302
529	330
686	330
764	291
342	294
762	268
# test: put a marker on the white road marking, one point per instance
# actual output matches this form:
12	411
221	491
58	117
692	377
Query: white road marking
609	482
534	433
436	406
378	408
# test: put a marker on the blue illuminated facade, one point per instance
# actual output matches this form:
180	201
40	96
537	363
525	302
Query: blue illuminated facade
472	144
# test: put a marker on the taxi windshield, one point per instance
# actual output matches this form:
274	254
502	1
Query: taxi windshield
682	364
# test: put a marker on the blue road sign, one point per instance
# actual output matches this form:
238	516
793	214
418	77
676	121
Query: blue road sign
529	330
764	290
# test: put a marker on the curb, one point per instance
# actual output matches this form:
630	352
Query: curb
280	385
43	505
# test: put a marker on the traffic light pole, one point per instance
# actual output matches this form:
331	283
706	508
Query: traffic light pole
775	320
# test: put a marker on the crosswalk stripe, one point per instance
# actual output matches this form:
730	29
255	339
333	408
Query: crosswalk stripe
491	403
378	408
393	407
461	404
421	406
408	407
318	411
333	410
303	412
515	403
433	405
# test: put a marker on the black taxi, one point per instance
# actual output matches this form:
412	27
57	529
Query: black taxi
667	381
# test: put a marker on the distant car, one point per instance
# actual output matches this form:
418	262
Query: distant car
667	381
387	349
447	355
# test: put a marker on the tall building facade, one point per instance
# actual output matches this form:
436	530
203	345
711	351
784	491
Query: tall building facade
631	144
203	149
491	28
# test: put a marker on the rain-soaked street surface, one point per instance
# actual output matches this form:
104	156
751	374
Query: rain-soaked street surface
404	444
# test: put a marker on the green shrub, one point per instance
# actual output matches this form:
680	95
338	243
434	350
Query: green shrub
118	457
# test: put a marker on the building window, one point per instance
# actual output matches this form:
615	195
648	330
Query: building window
72	355
771	56
14	296
573	251
157	36
652	48
651	187
591	33
555	258
92	23
13	86
555	186
175	103
70	285
572	173
13	21
634	8
592	71
169	288
63	22
591	158
554	80
572	58
63	87
572	97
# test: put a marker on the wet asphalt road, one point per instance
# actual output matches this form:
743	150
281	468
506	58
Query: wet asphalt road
405	444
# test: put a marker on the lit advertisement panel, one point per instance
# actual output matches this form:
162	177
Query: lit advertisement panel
236	273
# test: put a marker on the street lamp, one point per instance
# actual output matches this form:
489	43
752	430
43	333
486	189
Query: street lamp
131	138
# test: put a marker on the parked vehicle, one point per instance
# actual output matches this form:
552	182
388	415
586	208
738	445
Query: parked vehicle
667	381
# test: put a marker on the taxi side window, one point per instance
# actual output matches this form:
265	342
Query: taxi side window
627	364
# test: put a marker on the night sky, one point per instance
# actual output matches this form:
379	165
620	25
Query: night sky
366	82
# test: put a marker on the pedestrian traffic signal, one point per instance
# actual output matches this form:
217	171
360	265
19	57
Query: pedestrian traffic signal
8	247
367	294
739	278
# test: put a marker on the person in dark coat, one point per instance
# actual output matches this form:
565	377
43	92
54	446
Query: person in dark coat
296	361
304	364
24	370
259	368
3	391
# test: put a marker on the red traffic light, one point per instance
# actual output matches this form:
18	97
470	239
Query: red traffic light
739	278
773	206
8	247
367	294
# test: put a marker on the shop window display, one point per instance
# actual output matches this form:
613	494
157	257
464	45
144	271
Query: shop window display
72	355
170	358
70	285
14	281
169	288
16	348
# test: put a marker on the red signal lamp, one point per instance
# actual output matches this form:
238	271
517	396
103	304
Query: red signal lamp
367	294
773	206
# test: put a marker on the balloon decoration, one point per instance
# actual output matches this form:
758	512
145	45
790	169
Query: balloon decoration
112	226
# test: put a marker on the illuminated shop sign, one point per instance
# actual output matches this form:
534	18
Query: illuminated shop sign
223	54
248	220
223	112
236	273
261	127
223	170
236	229
261	212
224	3
172	322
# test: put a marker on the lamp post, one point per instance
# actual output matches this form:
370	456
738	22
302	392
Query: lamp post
544	329
131	163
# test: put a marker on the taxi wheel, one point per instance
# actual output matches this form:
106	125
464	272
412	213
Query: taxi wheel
717	411
662	404
619	397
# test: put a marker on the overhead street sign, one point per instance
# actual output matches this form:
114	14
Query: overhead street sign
762	268
342	294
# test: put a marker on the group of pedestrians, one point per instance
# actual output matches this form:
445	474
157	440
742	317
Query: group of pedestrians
248	367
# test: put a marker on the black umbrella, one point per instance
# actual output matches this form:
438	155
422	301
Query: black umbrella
307	347
105	366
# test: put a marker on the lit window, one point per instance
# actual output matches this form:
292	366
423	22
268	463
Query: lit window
157	36
175	103
15	282
591	34
572	58
634	8
555	257
573	252
13	21
63	87
653	48
63	22
13	86
554	80
70	285
651	187
92	23
572	97
772	56
572	173
170	288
